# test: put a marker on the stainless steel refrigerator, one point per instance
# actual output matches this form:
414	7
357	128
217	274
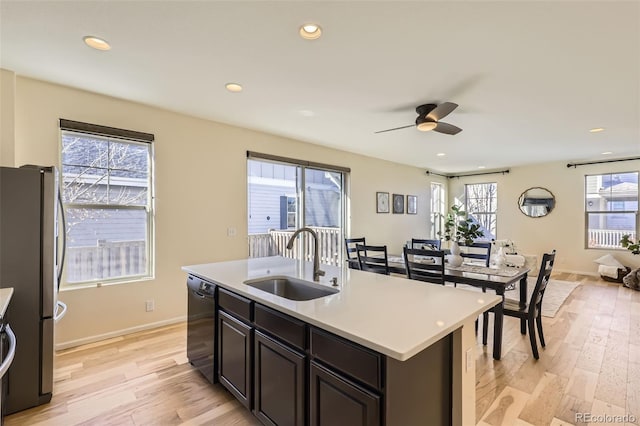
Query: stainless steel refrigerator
31	263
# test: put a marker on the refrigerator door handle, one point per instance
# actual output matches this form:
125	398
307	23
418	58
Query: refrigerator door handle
64	237
11	353
61	310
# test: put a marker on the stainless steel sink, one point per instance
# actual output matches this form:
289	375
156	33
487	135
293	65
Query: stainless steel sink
291	288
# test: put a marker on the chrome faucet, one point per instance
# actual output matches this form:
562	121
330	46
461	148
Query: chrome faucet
317	272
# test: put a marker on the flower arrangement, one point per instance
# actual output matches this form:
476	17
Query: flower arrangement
508	246
459	227
628	243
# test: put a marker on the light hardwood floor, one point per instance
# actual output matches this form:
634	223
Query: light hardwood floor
591	365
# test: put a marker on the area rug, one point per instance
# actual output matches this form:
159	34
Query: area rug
555	295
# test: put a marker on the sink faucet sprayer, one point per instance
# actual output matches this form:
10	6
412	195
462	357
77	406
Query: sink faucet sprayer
317	272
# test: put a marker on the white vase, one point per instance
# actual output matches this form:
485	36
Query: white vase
454	258
500	258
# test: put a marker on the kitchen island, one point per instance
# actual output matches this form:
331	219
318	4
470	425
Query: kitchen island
382	350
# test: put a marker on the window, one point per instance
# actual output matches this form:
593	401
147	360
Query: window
437	209
285	194
481	204
107	193
611	209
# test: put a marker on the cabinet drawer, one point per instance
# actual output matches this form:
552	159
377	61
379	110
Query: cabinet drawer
235	304
350	358
280	325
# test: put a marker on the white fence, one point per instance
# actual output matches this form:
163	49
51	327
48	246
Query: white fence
274	243
105	261
607	238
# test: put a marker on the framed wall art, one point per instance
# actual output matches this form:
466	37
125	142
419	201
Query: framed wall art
412	204
398	203
382	202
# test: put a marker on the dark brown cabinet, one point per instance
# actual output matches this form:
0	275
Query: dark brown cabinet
288	372
235	349
279	383
335	401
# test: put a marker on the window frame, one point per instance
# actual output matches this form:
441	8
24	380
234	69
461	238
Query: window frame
301	194
588	213
438	209
486	213
111	134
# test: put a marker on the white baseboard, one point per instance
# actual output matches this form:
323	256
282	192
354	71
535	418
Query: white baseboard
117	333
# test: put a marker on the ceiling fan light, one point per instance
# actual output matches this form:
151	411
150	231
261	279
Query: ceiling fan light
96	43
425	126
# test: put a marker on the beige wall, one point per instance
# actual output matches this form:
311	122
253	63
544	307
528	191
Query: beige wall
200	192
564	228
7	117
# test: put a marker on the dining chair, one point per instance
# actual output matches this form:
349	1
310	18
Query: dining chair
424	265
531	312
477	251
425	244
352	257
373	258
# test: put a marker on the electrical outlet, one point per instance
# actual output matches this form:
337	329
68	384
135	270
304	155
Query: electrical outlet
231	232
150	305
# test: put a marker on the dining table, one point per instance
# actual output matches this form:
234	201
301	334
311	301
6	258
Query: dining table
498	279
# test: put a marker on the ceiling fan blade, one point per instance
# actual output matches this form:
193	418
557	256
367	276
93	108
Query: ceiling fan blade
447	129
442	111
395	128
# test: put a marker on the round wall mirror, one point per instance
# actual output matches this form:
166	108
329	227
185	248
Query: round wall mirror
536	202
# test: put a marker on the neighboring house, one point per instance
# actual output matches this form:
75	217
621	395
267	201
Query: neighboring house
613	195
98	177
273	198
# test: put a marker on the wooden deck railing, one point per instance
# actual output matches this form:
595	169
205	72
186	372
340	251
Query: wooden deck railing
105	261
274	243
607	238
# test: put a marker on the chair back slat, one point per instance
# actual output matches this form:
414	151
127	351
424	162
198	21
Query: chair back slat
481	251
546	267
373	258
425	244
424	265
350	246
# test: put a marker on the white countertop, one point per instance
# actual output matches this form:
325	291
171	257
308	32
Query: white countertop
391	315
5	298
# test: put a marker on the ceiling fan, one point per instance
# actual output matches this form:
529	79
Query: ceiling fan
429	116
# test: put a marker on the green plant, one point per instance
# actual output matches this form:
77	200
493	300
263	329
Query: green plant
628	243
458	226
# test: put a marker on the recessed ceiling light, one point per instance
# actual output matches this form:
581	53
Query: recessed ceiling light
310	31
596	129
96	43
481	167
441	154
307	113
440	323
607	153
233	87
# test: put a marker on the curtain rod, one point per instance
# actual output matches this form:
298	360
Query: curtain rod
602	161
434	173
502	172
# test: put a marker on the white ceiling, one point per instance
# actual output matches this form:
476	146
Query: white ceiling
531	77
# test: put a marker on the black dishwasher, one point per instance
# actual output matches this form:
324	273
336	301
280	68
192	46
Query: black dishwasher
201	326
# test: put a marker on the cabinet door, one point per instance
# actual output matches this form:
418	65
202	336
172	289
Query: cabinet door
234	357
279	383
336	401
